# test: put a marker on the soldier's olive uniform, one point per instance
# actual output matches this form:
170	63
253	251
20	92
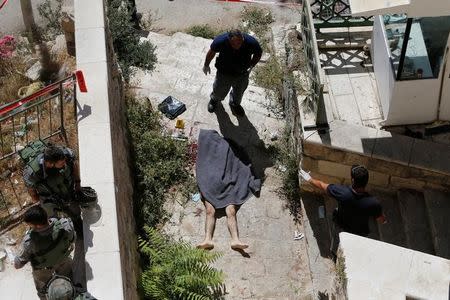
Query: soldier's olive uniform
48	251
56	190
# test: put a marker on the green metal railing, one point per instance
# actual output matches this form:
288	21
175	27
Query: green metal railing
335	13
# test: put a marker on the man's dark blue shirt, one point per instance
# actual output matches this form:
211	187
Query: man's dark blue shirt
354	210
231	61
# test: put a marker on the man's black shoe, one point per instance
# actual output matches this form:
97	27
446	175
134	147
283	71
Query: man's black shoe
211	106
237	110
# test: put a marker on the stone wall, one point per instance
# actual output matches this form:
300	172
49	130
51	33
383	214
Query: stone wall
122	174
333	165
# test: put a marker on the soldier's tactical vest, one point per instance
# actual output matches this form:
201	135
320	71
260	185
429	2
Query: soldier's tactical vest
60	184
51	249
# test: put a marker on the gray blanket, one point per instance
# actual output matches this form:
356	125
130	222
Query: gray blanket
222	177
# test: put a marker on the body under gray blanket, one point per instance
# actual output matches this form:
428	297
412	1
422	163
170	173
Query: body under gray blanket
223	179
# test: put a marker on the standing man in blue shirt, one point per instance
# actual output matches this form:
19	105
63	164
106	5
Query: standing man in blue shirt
238	54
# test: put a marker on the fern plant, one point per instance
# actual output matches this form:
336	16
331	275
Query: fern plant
176	270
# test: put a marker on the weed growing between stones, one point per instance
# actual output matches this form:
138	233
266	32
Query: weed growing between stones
269	75
205	31
341	276
130	49
287	163
176	270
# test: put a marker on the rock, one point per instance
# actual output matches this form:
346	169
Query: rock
143	40
60	45
30	61
34	72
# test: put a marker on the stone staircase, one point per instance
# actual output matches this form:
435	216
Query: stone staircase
418	220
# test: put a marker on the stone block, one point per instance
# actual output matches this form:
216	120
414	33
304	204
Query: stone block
407	183
334	169
378	179
386	167
327	178
346	108
429	176
340	85
320	151
309	164
355	159
365	97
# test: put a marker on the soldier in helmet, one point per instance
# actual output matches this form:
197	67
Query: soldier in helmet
53	179
61	288
47	246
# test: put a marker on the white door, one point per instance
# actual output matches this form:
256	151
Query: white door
444	107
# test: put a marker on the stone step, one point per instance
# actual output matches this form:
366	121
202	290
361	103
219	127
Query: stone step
415	218
319	226
392	232
438	208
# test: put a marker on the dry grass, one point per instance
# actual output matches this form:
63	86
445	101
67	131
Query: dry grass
11	79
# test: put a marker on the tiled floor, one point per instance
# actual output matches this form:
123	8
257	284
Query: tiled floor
349	78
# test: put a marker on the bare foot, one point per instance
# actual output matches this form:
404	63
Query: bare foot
206	245
238	245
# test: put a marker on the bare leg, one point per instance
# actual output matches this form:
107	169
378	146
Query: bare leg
210	224
233	228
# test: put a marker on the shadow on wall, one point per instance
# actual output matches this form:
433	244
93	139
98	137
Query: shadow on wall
245	136
83	112
82	270
319	225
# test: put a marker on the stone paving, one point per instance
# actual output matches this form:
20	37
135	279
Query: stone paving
275	266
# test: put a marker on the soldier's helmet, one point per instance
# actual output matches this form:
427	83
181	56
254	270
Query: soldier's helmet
60	288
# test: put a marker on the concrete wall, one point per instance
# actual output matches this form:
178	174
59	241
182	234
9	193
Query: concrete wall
377	270
110	243
414	102
384	74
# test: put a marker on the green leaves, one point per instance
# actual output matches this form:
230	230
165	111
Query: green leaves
160	162
176	270
130	51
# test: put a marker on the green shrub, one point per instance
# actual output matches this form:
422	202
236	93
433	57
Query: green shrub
204	31
52	15
160	162
130	51
176	270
